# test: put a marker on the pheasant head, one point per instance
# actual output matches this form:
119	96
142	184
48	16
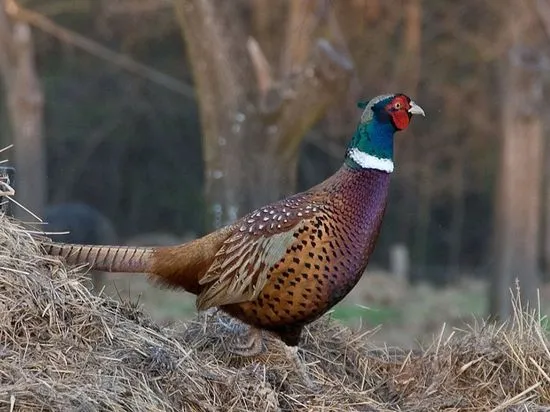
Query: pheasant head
372	144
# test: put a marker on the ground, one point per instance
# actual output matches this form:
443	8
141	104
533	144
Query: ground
64	348
404	315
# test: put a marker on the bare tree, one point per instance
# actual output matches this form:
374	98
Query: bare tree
254	114
25	108
518	202
542	8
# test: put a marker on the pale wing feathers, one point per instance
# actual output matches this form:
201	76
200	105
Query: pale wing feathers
240	269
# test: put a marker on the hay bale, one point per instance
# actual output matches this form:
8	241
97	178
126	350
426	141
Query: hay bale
63	348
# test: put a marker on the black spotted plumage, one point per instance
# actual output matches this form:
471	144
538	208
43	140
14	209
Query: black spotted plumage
340	230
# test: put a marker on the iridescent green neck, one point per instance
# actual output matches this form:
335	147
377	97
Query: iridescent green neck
372	146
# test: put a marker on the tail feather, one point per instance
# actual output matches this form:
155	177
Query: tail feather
104	258
179	266
182	266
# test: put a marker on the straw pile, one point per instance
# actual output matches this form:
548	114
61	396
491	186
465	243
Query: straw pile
64	349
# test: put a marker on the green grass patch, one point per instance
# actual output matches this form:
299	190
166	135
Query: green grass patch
372	316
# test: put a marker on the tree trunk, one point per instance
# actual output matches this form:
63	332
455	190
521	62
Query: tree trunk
457	219
252	129
406	79
408	71
546	211
25	109
543	11
422	227
518	200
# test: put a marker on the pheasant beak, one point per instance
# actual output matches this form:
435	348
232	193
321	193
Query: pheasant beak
416	109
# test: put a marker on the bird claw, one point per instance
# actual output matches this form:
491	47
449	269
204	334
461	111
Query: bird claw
253	345
232	326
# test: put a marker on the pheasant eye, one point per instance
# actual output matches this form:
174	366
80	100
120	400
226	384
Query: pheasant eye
397	105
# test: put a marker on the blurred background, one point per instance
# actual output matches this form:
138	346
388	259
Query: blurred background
155	121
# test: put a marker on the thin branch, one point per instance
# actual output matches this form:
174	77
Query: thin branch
123	61
261	66
270	97
6	148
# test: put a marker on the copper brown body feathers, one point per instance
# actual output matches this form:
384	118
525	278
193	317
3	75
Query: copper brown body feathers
277	268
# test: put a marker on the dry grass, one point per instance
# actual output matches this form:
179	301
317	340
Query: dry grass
63	348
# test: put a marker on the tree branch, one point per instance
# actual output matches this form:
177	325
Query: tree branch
302	22
314	72
327	75
270	98
123	61
261	66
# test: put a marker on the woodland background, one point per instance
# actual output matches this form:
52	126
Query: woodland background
178	116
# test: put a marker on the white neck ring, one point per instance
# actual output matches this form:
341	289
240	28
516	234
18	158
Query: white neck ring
368	161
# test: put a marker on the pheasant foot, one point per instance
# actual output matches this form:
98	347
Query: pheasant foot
253	346
292	354
253	339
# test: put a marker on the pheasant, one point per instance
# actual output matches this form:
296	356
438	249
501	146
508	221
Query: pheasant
283	265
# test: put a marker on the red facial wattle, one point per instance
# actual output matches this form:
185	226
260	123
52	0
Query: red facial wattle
397	109
401	118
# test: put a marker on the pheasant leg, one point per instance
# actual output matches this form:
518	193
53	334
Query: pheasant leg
300	367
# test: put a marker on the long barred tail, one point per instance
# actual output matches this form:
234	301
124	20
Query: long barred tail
104	258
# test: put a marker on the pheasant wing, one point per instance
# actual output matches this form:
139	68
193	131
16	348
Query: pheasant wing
240	269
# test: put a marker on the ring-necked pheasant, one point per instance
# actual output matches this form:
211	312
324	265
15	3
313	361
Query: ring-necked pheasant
285	264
